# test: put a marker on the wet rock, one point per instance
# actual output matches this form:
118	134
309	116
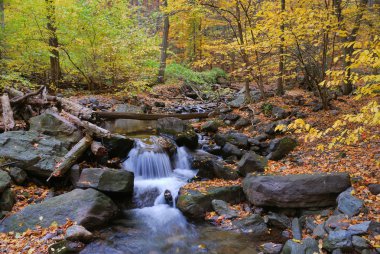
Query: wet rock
252	224
5	181
349	204
168	197
296	229
210	126
107	180
182	133
66	247
306	246
118	145
231	150
221	207
7	200
319	232
360	243
242	122
277	220
374	188
167	145
89	208
251	162
195	204
339	239
18	175
212	149
78	233
272	248
238	139
279	148
292	191
56	126
41	160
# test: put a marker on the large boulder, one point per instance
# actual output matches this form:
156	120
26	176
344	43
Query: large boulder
209	166
221	207
118	145
7	200
89	208
231	150
56	126
240	98
279	148
254	224
107	180
180	131
295	191
32	151
238	139
195	203
251	162
210	126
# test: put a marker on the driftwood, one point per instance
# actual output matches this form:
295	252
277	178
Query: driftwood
8	120
98	149
75	109
122	115
71	157
90	128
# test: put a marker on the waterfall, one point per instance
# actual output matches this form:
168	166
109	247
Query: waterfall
182	158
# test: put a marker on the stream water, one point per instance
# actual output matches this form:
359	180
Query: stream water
153	226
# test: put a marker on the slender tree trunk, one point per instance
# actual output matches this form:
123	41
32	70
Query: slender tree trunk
2	15
55	70
280	81
348	51
164	47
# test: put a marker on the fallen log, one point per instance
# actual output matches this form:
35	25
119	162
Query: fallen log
122	115
8	120
26	96
90	128
75	109
98	149
71	157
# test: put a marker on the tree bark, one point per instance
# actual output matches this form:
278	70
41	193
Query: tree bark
98	149
55	70
71	157
164	47
75	109
280	81
8	120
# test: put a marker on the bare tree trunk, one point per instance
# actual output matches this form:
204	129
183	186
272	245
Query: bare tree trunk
164	47
55	70
280	81
8	120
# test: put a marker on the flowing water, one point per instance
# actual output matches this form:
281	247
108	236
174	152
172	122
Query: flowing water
155	225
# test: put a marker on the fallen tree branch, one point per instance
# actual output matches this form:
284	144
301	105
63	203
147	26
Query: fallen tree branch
71	157
8	120
75	108
98	149
90	128
123	115
26	96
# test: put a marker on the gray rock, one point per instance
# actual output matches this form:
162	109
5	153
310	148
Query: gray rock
296	229
242	122
277	220
210	126
221	207
34	152
335	222
279	113
340	239
195	204
365	227
238	139
230	117
118	145
251	162
209	167
293	191
18	175
107	180
7	200
360	243
252	224
349	204
374	188
231	150
89	208
78	233
279	148
319	232
5	181
65	247
306	246
181	132
272	248
56	126
240	98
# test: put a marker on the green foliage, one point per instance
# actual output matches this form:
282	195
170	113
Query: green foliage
267	108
